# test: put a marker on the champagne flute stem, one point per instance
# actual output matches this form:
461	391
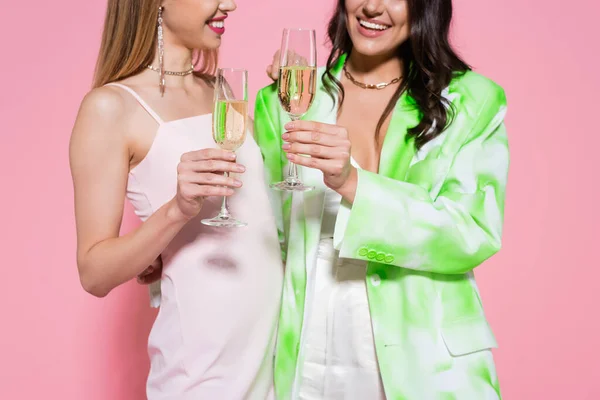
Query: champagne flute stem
292	173
292	176
224	210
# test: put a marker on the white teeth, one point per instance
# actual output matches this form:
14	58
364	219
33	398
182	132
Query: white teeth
217	24
371	25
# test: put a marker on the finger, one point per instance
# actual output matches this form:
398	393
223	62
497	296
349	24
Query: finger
211	179
155	266
157	263
275	65
273	72
324	139
294	58
209	190
147	271
214	166
150	278
332	167
208	154
298	60
301	125
316	150
272	69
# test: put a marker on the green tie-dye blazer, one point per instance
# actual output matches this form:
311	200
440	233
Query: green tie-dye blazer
422	223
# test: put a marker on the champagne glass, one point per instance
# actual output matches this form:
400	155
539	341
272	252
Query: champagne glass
229	126
296	87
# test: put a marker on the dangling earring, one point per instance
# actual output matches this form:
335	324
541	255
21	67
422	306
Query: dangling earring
161	58
161	53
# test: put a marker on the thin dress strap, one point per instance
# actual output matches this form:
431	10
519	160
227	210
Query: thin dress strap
139	99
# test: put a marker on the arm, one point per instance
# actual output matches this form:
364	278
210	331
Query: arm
99	159
401	224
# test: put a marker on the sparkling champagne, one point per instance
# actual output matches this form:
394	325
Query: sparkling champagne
229	123
297	87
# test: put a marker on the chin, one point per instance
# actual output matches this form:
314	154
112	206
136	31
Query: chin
372	49
208	44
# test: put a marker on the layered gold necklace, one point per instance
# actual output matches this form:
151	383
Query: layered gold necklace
377	86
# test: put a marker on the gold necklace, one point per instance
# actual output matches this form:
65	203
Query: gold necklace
377	86
182	73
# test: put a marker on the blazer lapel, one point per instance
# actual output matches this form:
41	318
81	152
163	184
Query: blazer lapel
396	155
324	109
397	152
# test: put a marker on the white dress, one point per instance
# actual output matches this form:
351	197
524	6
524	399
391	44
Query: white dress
214	336
339	360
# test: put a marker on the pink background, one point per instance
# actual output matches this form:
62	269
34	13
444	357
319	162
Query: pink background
540	292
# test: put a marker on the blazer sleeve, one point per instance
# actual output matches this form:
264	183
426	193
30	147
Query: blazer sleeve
403	224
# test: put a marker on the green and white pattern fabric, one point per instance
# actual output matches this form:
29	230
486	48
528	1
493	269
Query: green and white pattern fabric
422	223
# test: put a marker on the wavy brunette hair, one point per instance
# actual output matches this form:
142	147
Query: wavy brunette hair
430	64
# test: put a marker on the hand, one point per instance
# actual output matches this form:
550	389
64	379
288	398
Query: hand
201	174
329	149
273	69
293	58
152	273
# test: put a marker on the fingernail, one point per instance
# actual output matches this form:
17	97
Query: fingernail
240	168
290	156
285	136
289	125
286	146
232	156
237	183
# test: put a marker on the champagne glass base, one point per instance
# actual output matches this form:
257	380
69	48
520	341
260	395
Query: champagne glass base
224	222
291	186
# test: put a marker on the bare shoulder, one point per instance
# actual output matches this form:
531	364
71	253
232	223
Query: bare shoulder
105	112
104	104
100	122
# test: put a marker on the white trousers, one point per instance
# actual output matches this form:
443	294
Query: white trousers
339	352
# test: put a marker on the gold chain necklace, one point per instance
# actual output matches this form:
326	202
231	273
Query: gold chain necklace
182	73
377	86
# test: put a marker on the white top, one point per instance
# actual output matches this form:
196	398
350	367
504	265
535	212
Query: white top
338	358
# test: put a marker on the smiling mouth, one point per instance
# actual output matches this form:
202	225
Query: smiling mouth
372	25
217	24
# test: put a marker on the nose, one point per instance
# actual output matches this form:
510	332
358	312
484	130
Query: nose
373	8
227	5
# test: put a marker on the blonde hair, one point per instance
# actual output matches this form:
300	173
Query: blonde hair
129	42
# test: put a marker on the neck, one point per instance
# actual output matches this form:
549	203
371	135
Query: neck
374	69
176	59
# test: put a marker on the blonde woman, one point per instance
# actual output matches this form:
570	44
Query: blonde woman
144	133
